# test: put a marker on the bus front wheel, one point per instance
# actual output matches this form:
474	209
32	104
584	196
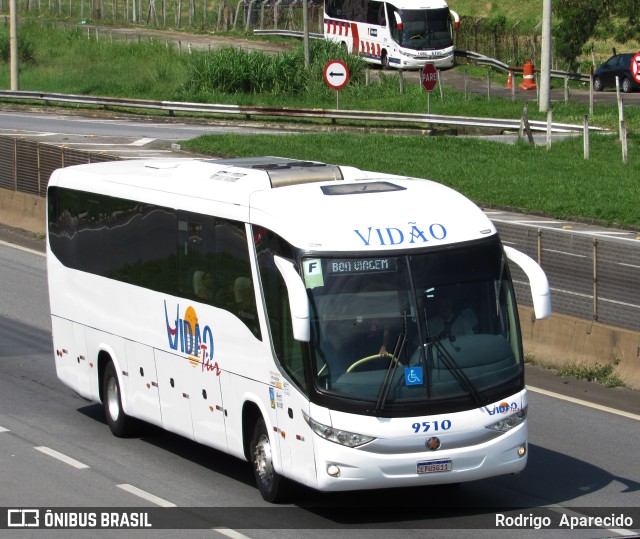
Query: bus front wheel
384	60
121	424
271	484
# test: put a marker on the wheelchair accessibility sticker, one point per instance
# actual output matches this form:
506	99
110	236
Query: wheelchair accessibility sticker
413	376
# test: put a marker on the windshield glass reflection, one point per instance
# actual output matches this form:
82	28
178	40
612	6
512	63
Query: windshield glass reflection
428	327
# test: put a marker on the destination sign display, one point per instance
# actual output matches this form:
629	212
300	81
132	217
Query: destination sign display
360	265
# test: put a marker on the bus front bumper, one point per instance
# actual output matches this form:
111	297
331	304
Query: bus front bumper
340	468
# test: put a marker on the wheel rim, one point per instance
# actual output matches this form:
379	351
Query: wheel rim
113	398
262	459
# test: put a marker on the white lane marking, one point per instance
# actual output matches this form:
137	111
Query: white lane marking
624	264
231	533
146	495
584	403
19	247
563	253
524	221
19	133
61	457
142	142
2	429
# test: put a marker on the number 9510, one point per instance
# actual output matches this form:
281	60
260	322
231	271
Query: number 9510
434	426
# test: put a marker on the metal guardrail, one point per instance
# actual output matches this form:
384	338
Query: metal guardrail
481	59
475	57
287	33
289	112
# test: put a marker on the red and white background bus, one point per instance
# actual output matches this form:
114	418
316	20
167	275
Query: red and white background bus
404	34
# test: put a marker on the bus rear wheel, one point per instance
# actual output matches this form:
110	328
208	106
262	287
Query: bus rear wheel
272	486
119	422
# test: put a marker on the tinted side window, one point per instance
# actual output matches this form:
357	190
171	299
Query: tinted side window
214	267
183	254
121	239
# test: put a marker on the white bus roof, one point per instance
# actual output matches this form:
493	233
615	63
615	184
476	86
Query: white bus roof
314	206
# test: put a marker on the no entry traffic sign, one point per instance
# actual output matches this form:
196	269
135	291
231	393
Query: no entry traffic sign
635	67
336	74
429	77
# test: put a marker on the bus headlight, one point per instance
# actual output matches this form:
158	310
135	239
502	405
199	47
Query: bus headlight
510	422
342	437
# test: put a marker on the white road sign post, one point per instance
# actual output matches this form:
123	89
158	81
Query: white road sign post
336	75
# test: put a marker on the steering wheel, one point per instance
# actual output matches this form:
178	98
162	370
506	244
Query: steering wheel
417	36
353	366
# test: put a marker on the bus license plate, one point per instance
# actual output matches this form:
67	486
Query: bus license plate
434	466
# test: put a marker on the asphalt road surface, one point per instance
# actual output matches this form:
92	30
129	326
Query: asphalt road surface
56	451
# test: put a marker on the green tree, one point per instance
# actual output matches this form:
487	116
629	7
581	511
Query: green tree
580	20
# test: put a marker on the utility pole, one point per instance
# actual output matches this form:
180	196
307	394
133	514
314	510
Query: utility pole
545	68
305	16
13	44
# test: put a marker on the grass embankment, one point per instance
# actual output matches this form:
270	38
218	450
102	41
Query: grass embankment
557	182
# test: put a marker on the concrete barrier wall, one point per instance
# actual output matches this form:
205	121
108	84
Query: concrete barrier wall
22	210
559	340
562	340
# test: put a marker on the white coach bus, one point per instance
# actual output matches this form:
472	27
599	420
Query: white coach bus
339	328
404	34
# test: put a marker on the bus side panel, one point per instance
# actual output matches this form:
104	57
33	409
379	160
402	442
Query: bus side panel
296	444
72	366
176	381
360	38
142	383
207	409
372	42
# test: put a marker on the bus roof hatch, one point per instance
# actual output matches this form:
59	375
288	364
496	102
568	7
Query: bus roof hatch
283	172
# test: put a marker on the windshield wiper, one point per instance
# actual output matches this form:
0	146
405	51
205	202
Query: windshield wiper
393	365
453	366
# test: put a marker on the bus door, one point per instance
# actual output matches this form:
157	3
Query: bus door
287	388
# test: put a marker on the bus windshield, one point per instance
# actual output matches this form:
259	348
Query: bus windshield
392	330
422	29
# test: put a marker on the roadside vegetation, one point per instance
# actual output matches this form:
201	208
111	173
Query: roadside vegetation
557	182
605	375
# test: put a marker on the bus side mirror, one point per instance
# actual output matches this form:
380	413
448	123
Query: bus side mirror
298	300
456	19
540	292
398	20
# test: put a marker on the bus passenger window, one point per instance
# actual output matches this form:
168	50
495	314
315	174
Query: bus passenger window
245	303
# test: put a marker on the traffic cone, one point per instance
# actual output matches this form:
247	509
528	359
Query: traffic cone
510	80
528	83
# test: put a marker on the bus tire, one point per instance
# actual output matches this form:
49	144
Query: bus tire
271	484
121	424
384	60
